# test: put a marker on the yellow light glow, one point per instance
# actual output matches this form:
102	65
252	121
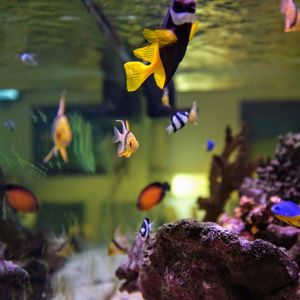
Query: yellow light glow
190	186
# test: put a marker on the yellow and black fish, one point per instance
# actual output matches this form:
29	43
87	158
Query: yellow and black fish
167	46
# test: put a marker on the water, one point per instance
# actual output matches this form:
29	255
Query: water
241	66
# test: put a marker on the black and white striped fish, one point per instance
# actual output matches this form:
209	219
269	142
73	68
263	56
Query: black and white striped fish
145	229
178	120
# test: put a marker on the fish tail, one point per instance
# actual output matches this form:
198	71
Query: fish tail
63	153
170	129
136	73
50	155
116	137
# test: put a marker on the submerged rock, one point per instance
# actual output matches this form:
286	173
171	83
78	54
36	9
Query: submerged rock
193	260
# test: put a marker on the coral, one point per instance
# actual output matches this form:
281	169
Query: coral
226	173
14	281
193	260
277	179
279	176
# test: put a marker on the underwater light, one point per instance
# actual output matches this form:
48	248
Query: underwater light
190	186
9	95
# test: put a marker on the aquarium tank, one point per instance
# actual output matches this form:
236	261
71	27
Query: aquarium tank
149	150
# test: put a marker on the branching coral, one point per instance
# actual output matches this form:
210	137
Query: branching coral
227	173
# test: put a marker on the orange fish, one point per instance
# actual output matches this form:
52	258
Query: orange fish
20	198
61	132
151	195
291	14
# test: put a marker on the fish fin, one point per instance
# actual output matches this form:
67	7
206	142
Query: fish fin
62	104
121	148
50	155
147	53
136	74
160	76
127	125
63	153
116	137
170	129
194	30
164	37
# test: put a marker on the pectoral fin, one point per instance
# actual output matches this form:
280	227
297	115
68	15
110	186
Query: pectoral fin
164	37
194	30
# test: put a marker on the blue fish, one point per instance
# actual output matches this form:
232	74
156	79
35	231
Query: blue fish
210	145
29	59
287	211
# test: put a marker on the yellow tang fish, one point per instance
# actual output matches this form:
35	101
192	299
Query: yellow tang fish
128	142
167	46
61	132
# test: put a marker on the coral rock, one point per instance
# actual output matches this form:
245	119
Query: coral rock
193	260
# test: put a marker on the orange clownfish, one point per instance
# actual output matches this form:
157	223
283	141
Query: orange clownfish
291	14
61	132
167	46
128	142
20	199
152	195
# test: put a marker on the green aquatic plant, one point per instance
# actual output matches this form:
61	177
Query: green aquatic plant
83	143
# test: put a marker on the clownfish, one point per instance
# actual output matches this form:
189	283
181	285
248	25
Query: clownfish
210	145
118	244
20	198
287	211
167	46
152	195
291	15
128	142
61	132
145	229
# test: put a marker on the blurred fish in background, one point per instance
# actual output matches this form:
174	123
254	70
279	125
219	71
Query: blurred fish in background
10	125
291	15
61	131
29	59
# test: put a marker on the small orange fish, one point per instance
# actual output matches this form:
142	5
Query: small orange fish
291	14
20	198
128	142
61	131
193	114
165	99
152	195
118	244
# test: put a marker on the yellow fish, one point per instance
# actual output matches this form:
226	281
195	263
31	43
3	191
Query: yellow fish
118	244
61	132
166	49
128	142
193	114
165	100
